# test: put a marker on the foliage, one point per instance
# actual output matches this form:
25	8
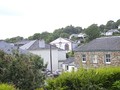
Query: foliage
68	30
116	85
92	32
62	32
7	87
70	54
24	71
110	25
14	39
86	79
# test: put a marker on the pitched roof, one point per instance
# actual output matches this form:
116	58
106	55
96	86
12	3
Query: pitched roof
69	60
101	44
60	39
37	45
22	42
8	48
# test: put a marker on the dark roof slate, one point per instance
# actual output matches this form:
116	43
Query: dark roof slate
101	44
69	60
36	45
8	48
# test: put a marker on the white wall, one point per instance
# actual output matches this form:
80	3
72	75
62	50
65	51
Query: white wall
45	54
61	55
62	44
70	68
108	33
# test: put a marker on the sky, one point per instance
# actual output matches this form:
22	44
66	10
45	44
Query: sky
26	17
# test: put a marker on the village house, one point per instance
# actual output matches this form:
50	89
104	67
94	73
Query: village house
69	65
104	51
64	43
52	56
80	37
10	48
111	32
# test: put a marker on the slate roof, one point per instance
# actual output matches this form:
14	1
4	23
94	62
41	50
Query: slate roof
101	44
37	45
69	61
8	48
22	42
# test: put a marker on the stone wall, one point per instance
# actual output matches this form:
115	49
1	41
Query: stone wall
114	57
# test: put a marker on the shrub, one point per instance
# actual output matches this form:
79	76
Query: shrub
116	85
85	79
7	87
24	71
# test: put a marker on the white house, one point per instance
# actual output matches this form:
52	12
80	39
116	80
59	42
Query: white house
69	65
51	55
110	32
64	44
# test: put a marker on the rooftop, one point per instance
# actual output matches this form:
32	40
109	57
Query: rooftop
101	44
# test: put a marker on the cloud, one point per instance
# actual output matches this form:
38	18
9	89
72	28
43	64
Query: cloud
8	12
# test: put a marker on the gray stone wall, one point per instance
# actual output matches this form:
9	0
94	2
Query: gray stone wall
114	57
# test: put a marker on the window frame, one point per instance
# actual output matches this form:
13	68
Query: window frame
107	58
94	58
83	58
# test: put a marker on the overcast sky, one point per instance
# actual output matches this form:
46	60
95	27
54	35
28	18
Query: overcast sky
26	17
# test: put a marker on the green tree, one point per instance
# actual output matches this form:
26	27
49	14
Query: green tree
110	25
64	35
24	71
118	23
92	32
102	28
14	39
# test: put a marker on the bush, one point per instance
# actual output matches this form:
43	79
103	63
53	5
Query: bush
24	71
7	87
86	79
116	85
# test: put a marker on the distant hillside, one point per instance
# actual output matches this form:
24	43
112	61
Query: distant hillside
66	32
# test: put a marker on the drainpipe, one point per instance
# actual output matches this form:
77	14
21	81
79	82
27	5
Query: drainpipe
51	58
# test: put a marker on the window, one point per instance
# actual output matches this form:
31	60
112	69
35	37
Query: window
66	46
83	58
107	58
94	59
66	67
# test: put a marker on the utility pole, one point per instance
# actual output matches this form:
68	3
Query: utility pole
51	58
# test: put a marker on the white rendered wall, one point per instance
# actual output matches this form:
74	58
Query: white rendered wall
60	43
45	54
61	55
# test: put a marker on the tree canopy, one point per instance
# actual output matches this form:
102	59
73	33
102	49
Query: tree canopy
92	32
24	71
66	32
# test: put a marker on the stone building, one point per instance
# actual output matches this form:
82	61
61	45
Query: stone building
104	51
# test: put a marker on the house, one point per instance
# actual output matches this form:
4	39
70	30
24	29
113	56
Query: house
9	48
21	43
51	55
69	65
81	37
64	43
110	32
104	51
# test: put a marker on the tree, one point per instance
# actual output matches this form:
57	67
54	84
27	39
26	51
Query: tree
118	23
92	32
14	39
110	25
102	28
64	35
24	71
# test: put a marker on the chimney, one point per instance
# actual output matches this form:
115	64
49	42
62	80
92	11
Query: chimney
41	43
